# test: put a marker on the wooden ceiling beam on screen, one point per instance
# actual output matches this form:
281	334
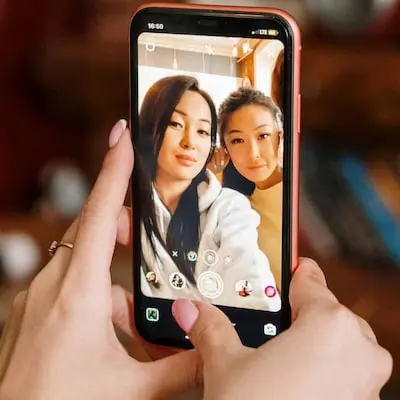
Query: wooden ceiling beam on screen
253	43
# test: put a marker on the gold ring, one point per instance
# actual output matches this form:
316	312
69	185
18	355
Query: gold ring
55	245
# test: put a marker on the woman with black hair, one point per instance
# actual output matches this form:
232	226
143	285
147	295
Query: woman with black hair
251	130
194	232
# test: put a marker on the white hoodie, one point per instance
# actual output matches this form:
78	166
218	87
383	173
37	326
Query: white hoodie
228	230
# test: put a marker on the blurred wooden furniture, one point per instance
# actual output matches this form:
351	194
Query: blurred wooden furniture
354	86
28	135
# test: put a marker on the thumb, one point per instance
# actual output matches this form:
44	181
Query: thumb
308	288
209	329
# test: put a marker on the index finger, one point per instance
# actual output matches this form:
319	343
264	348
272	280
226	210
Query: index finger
97	231
308	288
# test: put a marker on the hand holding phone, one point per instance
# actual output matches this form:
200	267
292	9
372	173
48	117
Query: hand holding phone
202	80
59	340
328	353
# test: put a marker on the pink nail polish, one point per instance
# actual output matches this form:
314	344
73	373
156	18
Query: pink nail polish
185	313
116	132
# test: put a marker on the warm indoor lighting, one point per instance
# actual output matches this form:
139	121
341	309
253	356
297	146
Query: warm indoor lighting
175	62
246	47
235	51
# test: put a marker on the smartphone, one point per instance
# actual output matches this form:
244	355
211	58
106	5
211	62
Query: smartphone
215	119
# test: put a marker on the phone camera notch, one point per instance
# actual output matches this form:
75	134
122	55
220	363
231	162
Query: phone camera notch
209	23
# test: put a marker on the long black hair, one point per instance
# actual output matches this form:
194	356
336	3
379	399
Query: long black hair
157	108
242	97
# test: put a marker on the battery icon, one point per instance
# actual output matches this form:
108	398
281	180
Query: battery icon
273	32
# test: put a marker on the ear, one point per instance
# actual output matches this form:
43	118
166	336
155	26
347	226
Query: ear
280	152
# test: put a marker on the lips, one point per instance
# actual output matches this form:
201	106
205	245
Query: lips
257	166
185	157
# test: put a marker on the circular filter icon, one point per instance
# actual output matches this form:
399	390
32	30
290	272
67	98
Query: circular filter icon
210	284
177	280
243	288
151	277
270	291
192	256
210	257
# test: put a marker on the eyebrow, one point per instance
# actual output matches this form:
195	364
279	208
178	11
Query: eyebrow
256	129
185	115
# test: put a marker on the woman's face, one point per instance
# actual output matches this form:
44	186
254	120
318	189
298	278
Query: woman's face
187	140
252	141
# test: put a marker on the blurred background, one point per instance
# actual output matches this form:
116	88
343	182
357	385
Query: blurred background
64	82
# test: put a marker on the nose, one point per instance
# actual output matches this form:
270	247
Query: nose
254	150
187	140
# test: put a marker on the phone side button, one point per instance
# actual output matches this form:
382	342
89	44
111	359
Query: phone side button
299	114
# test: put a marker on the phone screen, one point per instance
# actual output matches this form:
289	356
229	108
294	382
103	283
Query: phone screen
208	115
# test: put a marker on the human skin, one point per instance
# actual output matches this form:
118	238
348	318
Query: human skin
328	353
60	341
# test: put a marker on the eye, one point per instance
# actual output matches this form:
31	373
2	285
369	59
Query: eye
175	124
203	132
236	141
264	136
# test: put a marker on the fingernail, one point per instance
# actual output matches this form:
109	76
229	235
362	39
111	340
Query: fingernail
311	270
302	261
116	132
185	314
309	261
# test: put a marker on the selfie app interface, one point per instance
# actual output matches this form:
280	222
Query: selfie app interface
210	150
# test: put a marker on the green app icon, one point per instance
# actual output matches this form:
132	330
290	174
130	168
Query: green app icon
152	314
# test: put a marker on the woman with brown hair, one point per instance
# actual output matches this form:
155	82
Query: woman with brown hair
251	130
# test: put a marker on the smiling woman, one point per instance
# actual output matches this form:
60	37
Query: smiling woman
251	130
190	226
252	139
187	142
